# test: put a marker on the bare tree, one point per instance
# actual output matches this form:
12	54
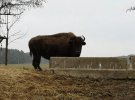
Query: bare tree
10	13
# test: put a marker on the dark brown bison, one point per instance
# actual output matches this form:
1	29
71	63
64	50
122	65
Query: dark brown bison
57	45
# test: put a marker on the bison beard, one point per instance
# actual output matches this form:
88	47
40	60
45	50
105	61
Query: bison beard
57	45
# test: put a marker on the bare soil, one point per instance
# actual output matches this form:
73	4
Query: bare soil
26	84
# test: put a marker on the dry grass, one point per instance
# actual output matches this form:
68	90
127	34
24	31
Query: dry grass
24	66
27	84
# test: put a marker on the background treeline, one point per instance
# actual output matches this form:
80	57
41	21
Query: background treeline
17	57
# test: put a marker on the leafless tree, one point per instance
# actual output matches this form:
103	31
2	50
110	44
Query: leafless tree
130	9
10	13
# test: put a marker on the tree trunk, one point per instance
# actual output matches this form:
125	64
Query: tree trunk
6	53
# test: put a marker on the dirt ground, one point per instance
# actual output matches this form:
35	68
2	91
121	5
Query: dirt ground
26	84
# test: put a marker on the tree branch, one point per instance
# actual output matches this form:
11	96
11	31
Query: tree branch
13	23
15	34
17	38
3	37
130	9
11	14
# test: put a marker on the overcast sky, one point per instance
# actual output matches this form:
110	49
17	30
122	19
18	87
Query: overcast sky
108	29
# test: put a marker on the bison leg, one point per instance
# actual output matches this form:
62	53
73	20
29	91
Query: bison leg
36	62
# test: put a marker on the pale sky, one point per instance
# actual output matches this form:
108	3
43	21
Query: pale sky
108	28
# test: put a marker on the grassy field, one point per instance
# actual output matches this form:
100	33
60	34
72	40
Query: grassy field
22	82
24	66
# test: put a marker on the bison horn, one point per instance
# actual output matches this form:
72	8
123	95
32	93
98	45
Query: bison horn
83	38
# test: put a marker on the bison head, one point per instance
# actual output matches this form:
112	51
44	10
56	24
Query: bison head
76	44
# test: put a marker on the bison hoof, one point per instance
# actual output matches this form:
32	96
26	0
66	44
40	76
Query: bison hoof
38	69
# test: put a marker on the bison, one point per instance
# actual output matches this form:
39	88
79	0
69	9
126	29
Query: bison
57	45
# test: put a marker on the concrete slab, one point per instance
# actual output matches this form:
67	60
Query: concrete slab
96	74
